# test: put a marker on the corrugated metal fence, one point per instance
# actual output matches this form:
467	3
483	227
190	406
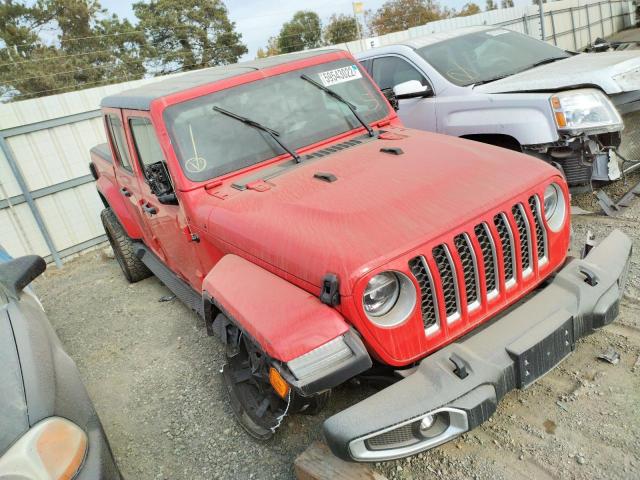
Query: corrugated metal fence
48	204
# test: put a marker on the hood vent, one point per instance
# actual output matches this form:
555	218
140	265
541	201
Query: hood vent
332	149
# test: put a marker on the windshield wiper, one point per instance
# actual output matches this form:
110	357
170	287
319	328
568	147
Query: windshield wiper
544	62
252	123
488	80
340	98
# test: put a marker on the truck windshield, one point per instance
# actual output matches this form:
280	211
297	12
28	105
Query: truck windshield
209	144
488	55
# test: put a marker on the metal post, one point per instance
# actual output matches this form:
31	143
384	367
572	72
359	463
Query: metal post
573	29
586	8
553	29
601	19
541	11
27	196
525	23
613	29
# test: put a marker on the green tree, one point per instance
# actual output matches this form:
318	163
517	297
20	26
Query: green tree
491	5
188	34
88	47
340	29
396	15
270	50
507	3
303	31
469	9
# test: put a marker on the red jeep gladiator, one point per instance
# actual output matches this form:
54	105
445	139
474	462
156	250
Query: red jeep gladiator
283	201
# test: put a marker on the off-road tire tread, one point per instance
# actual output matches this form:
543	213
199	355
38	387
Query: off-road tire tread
123	248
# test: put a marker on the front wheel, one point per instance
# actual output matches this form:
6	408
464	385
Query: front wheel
123	248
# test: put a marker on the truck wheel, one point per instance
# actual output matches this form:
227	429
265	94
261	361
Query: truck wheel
132	267
255	403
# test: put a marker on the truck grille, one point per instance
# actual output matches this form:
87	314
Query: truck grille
518	230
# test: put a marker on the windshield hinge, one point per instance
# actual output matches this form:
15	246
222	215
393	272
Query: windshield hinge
258	186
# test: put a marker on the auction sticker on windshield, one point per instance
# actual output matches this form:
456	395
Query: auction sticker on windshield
340	75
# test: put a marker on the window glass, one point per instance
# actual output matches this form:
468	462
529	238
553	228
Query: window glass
146	142
118	139
487	55
390	71
210	144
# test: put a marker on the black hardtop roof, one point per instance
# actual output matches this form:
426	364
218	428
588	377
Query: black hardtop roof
140	98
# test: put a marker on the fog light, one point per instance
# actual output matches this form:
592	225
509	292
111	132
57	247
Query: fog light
426	423
434	424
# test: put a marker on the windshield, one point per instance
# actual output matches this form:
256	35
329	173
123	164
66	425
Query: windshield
209	144
483	56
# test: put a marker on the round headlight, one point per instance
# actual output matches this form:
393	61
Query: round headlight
381	294
555	208
389	299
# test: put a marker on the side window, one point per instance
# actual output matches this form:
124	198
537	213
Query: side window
366	64
116	132
146	142
390	71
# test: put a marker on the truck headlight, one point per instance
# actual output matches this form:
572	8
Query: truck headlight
555	208
52	449
389	298
584	110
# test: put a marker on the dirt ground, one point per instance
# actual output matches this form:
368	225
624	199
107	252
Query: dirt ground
154	377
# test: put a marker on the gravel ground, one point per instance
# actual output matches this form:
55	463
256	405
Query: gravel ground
154	377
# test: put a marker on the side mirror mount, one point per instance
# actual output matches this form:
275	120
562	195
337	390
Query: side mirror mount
160	183
391	98
16	274
412	89
168	199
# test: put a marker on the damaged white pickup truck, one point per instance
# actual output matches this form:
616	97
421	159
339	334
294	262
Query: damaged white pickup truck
508	89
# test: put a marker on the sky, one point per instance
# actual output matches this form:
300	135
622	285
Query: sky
258	20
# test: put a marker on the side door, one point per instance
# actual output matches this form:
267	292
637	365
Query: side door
123	168
172	240
390	70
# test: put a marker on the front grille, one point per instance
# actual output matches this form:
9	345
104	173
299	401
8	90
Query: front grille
508	248
469	250
428	304
447	278
524	236
398	437
630	146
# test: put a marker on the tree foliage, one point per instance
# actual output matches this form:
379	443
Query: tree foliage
188	34
270	50
507	3
303	31
340	29
491	5
88	47
395	15
469	9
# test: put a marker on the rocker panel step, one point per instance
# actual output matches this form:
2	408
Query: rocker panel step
179	287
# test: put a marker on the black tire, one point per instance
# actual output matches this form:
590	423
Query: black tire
123	248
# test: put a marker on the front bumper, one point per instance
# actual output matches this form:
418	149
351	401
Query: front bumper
513	351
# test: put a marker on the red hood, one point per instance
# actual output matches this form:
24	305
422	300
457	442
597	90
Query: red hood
380	206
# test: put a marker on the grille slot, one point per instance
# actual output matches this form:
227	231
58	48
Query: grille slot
449	281
428	302
508	250
541	237
489	258
469	269
395	438
524	235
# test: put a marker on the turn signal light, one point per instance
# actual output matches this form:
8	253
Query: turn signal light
278	383
561	119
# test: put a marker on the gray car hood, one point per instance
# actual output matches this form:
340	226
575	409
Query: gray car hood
596	69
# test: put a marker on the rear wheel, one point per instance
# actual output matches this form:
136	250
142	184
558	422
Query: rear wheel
123	248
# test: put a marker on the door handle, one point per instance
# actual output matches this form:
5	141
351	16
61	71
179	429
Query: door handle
125	192
148	208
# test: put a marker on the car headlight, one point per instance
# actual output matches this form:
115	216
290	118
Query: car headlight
555	207
628	81
389	298
587	109
54	448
